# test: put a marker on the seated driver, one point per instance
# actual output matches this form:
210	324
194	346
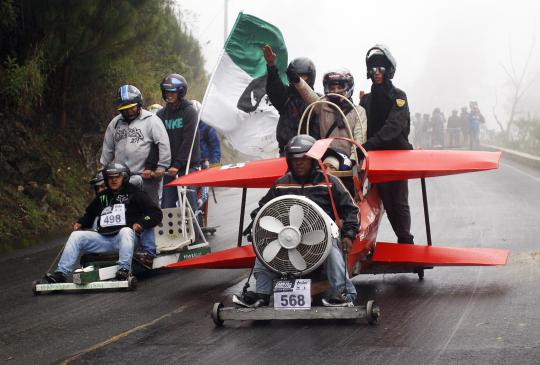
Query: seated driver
123	211
305	178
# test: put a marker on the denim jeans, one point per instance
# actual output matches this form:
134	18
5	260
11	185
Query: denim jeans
93	242
335	272
147	241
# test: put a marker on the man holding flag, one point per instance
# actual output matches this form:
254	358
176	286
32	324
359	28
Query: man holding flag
235	102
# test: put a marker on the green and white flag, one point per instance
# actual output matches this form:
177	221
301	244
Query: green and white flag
235	102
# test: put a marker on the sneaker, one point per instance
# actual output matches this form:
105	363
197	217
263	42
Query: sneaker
253	300
57	277
122	274
144	258
337	300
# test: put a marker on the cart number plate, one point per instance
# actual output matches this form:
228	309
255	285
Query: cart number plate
292	294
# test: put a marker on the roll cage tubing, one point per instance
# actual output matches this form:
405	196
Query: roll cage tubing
357	183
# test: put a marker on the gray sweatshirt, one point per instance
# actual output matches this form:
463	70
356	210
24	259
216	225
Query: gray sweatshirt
130	143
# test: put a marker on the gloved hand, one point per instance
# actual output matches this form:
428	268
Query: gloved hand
292	76
346	244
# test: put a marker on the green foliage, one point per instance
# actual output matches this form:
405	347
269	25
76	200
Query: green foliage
61	64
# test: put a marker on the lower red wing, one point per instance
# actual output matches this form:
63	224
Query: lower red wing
399	254
233	258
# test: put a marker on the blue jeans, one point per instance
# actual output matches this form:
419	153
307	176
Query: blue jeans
170	195
93	242
334	267
147	241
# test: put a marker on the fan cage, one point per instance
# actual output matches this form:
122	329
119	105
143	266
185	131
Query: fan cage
314	219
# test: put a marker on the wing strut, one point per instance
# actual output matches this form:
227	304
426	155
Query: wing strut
426	211
242	211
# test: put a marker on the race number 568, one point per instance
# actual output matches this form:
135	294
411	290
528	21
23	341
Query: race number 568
292	294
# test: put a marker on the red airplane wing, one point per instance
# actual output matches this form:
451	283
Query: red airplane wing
402	254
233	258
252	174
413	164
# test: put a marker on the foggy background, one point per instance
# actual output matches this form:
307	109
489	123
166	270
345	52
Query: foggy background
447	53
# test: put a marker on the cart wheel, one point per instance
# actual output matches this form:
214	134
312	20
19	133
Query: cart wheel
420	273
34	287
132	283
372	312
215	314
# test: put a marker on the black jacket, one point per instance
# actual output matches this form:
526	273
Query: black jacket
139	209
316	189
290	106
389	120
180	124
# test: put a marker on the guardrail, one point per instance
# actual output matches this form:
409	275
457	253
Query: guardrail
521	157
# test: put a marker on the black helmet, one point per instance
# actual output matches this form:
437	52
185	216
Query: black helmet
116	168
174	83
299	145
342	77
128	96
98	179
380	56
303	66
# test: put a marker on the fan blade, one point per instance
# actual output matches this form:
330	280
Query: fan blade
271	224
313	237
297	260
296	216
271	250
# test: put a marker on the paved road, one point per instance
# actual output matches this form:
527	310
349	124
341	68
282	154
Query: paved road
456	315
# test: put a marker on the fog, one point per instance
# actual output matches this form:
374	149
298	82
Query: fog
447	53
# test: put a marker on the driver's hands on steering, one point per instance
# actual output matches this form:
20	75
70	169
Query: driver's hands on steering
346	244
137	228
172	172
146	174
77	226
269	55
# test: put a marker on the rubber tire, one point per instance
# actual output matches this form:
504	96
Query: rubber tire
132	283
34	284
420	273
372	312
215	314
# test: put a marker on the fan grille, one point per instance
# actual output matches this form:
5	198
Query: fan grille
279	208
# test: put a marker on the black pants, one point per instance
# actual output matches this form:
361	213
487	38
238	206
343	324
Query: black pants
395	198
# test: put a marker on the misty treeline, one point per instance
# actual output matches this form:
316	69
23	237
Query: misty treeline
62	61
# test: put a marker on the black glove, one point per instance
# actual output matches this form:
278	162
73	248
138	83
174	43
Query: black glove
292	76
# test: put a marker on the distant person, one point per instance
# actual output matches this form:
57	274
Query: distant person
437	123
475	120
426	131
123	211
465	127
98	183
286	99
179	117
418	130
454	129
388	129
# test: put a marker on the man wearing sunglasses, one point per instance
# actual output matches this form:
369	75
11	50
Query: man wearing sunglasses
388	127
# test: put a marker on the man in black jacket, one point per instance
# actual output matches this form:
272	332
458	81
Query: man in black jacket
304	178
388	129
123	210
180	119
287	100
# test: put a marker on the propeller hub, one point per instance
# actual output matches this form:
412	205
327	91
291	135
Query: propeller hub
289	237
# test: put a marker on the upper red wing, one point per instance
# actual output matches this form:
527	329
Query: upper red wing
413	164
252	174
382	166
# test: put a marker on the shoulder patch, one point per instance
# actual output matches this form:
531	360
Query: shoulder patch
400	102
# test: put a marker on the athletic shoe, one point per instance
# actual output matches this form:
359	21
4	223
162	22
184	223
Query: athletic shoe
122	274
57	277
